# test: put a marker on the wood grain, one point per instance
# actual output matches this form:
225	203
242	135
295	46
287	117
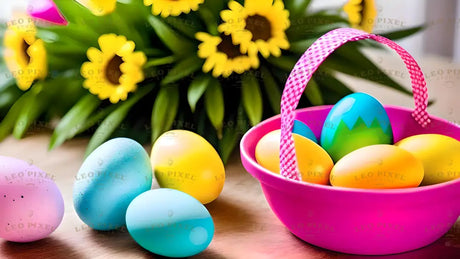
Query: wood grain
245	225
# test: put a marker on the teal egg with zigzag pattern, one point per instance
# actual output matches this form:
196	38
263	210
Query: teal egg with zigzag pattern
356	121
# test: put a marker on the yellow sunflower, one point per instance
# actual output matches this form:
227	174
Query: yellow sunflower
114	70
24	54
172	7
222	56
99	7
361	14
259	25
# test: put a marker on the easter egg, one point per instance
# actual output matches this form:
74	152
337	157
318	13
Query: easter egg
439	154
31	205
356	121
378	167
108	180
185	161
170	223
303	130
314	163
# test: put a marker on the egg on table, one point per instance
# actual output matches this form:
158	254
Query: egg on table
185	161
314	163
356	121
31	204
378	167
439	154
170	223
108	180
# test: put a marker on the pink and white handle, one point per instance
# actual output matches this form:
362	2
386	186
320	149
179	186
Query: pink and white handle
309	63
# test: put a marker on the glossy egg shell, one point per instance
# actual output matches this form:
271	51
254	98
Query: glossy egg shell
303	130
169	223
356	121
185	161
378	167
31	204
108	180
439	154
314	163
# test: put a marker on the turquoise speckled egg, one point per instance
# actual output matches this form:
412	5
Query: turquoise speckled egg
108	180
356	121
302	129
170	223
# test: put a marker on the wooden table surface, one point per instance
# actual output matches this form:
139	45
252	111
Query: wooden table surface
245	227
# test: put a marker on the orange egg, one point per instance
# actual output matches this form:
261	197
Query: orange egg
378	167
313	161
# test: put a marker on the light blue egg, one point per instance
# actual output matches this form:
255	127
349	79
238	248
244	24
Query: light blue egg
356	121
108	180
170	223
303	130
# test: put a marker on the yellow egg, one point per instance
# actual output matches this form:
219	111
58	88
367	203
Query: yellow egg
378	167
314	162
185	161
439	154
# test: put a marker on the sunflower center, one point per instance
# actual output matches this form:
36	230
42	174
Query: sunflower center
227	47
362	12
259	26
25	47
112	71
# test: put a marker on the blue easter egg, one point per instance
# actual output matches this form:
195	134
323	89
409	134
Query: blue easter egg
108	180
302	129
356	121
170	223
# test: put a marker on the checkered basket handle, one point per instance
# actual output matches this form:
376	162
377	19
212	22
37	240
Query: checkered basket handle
307	65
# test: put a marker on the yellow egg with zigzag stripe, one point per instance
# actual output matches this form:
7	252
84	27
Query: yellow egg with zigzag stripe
185	161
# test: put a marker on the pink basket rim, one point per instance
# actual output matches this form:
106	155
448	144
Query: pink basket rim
245	156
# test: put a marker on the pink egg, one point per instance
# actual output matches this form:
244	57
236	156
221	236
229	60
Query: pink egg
31	205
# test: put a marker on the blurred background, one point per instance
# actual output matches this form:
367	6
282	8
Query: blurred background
441	38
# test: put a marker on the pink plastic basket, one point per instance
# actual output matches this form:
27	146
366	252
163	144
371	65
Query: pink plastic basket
356	221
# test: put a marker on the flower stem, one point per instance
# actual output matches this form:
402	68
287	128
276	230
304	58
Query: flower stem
160	61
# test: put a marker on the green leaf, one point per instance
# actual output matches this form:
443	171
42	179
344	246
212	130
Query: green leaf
297	7
196	90
182	69
333	89
164	110
214	103
313	26
7	124
109	124
6	79
228	142
286	63
153	62
215	6
94	119
351	61
313	93
252	99
36	103
399	34
8	96
73	120
171	38
186	26
210	18
271	89
301	46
